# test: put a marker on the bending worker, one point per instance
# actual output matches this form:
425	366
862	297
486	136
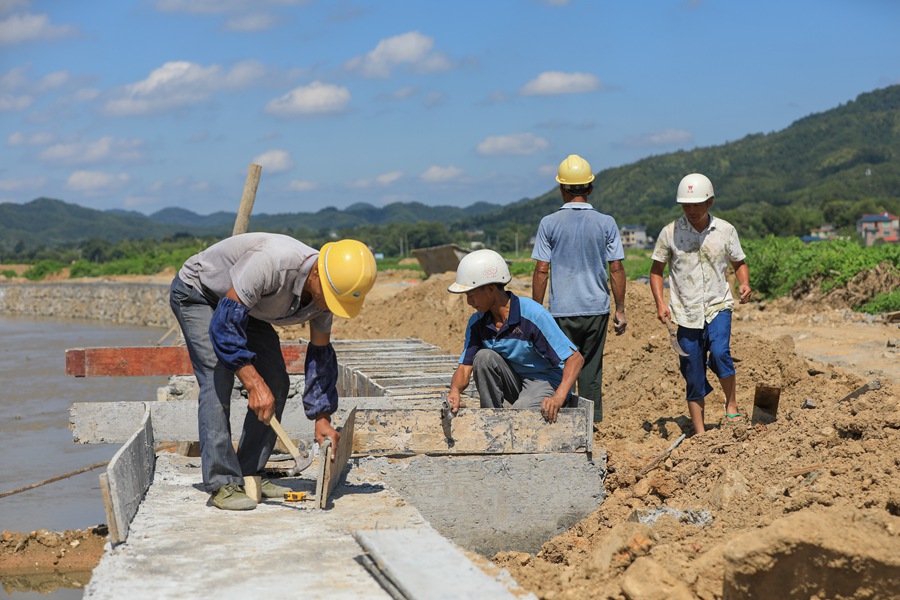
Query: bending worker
574	246
515	350
227	299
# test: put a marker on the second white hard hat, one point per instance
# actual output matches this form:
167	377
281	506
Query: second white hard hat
694	188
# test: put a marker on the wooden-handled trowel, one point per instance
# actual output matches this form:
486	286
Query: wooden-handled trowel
302	458
673	339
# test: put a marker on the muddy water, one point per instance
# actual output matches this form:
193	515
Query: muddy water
35	439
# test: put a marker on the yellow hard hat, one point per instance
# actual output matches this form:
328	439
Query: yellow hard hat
574	171
347	272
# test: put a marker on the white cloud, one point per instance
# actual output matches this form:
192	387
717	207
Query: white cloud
251	23
552	83
315	98
96	181
274	161
25	27
298	185
105	149
35	139
519	144
217	7
436	174
384	179
664	138
413	48
11	102
14	185
181	83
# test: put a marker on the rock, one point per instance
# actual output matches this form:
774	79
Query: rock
624	542
731	484
645	579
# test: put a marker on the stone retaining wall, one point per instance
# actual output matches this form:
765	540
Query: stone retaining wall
143	304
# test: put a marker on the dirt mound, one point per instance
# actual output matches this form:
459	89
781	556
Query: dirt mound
807	295
42	561
838	455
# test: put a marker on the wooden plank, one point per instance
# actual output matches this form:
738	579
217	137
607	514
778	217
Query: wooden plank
404	431
330	470
152	360
423	565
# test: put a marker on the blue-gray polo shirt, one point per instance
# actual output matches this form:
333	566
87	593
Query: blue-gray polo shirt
578	242
530	340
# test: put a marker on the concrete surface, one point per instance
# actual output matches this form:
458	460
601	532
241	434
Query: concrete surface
179	546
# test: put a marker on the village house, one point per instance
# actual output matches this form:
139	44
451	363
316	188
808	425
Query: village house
883	226
634	236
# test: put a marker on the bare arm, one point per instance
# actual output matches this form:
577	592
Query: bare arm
742	273
539	281
458	383
617	280
550	406
656	288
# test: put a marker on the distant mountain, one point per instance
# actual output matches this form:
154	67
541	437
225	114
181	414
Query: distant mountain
49	222
827	167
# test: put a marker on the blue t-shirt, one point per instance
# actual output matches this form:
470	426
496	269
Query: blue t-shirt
530	340
578	242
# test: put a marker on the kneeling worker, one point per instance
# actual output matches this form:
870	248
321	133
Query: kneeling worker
514	348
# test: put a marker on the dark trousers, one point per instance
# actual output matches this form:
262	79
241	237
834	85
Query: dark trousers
589	334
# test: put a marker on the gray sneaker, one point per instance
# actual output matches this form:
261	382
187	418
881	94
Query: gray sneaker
272	490
231	496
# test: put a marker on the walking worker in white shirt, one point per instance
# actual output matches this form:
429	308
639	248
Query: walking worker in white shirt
698	248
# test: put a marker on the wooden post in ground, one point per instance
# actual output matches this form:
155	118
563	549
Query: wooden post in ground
247	200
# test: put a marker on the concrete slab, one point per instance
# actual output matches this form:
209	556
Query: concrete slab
179	546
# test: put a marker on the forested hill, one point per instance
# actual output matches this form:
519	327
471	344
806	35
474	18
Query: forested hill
828	167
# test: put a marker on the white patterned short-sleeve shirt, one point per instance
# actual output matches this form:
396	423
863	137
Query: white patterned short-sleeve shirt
698	261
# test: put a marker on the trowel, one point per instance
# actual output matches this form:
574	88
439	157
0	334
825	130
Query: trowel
446	417
673	339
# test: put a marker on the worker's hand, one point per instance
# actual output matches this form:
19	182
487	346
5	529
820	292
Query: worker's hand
453	401
550	408
745	293
619	322
325	430
261	401
663	314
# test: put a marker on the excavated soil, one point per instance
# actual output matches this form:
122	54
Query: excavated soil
833	460
825	473
42	561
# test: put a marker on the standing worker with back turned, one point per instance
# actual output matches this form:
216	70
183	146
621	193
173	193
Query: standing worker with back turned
578	241
226	299
698	247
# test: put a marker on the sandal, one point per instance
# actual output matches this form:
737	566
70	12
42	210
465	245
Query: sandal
733	418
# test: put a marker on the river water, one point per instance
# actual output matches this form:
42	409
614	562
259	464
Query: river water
35	440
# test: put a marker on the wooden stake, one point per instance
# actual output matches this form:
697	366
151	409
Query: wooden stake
247	200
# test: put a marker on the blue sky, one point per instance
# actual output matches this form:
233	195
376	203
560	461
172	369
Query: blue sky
147	104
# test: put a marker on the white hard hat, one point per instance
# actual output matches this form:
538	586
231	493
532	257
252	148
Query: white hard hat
694	188
480	268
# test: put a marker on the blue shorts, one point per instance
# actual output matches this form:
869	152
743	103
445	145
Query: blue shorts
710	346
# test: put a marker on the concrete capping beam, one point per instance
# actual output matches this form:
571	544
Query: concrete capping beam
127	478
421	564
382	428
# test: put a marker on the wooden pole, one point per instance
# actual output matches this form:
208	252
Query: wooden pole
247	199
52	479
